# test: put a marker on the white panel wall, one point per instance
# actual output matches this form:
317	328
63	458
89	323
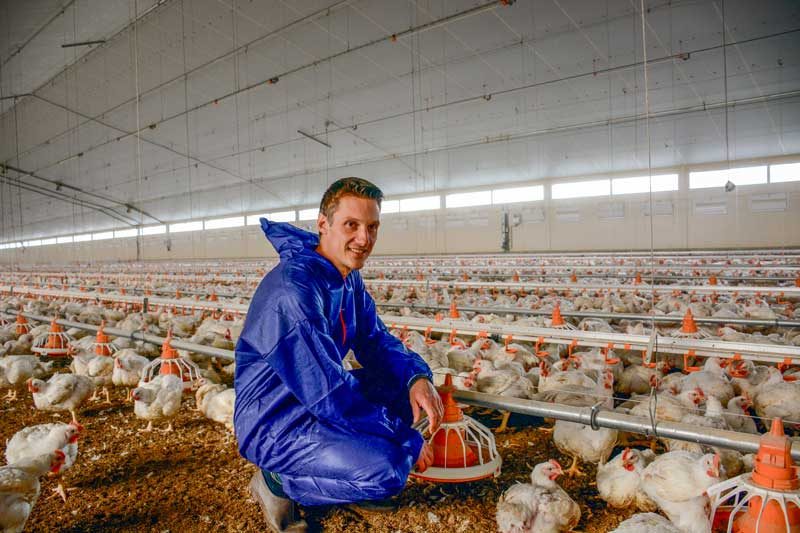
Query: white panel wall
550	225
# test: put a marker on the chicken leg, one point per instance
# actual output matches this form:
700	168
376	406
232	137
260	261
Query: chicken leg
74	417
573	469
504	423
11	394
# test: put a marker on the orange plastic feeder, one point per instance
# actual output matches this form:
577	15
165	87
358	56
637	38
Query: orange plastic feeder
22	326
171	363
557	321
766	500
102	344
454	314
463	449
54	343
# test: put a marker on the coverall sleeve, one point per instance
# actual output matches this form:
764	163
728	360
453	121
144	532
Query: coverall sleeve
307	362
376	348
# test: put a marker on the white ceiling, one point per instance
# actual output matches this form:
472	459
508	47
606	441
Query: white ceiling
463	97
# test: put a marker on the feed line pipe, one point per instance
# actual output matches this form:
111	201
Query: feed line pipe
134	335
591	416
705	347
644	288
592	314
597	418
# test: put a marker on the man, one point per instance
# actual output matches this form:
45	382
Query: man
321	434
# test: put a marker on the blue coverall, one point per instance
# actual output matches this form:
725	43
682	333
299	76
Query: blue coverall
333	436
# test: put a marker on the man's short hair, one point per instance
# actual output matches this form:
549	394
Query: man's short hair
348	187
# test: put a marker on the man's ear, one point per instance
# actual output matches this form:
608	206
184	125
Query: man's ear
322	224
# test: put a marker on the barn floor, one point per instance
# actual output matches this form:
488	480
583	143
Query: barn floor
193	479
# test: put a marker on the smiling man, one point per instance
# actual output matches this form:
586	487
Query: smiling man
321	434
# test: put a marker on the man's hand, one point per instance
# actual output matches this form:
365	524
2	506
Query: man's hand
425	458
423	396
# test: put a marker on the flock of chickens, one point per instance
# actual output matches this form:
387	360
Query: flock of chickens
731	394
35	450
724	393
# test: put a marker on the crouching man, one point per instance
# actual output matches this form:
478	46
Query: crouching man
320	434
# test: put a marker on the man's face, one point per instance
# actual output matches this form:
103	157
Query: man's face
348	237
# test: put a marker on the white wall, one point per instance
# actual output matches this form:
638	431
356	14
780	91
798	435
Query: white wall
549	225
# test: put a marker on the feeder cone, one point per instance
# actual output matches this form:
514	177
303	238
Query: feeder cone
454	310
775	471
448	446
213	297
556	319
54	340
22	326
168	353
101	341
797	281
573	278
712	279
688	325
638	279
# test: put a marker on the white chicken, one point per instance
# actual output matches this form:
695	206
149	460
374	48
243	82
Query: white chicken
216	403
582	441
461	380
128	367
98	368
646	523
33	441
15	370
62	392
712	418
677	483
502	382
737	415
158	399
776	398
712	380
619	480
635	378
463	359
19	488
550	378
538	507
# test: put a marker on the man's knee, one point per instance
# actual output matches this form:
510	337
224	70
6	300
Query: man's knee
389	474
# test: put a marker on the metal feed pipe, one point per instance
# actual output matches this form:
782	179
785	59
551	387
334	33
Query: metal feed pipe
705	347
597	418
609	316
653	343
135	335
642	288
591	416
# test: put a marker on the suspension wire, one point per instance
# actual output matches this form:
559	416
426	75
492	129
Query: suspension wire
237	124
135	31
653	400
186	107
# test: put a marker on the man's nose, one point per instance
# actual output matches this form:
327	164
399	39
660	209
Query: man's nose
363	236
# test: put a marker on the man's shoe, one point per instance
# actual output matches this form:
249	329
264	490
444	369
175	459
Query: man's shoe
279	513
387	505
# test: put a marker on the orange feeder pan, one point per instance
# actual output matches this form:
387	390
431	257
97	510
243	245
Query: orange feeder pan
766	500
557	321
22	326
102	344
172	363
463	449
55	343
